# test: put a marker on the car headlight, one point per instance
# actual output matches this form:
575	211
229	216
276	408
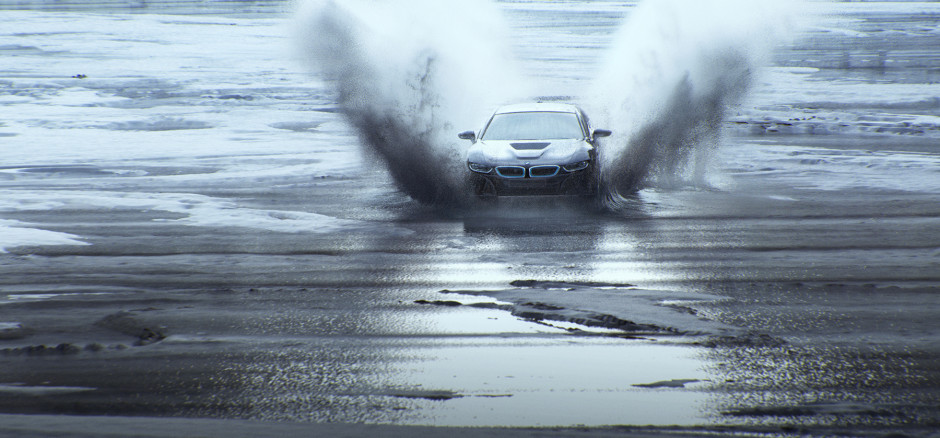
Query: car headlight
479	168
574	167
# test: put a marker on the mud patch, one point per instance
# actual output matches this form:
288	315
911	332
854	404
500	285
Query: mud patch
64	349
439	303
675	383
566	284
437	395
128	324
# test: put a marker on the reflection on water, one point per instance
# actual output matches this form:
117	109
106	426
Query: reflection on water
495	381
494	368
557	382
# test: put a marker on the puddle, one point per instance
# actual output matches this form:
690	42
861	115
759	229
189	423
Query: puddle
555	382
460	366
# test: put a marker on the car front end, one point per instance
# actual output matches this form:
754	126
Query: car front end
522	168
534	149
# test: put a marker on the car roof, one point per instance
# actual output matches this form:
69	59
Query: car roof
537	107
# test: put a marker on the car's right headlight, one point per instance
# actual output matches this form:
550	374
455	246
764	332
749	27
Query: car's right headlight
479	168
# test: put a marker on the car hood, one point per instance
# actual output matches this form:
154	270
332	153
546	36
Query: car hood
508	152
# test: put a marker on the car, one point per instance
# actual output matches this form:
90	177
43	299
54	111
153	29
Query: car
542	148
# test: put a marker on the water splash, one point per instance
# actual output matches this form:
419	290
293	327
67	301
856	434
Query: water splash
409	76
412	73
672	72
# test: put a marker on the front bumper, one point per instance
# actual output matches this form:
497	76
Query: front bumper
534	180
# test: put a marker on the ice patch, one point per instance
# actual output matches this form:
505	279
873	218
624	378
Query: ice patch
16	234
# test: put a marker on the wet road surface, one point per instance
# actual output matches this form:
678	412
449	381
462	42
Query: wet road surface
833	298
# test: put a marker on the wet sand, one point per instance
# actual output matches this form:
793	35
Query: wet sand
246	269
820	310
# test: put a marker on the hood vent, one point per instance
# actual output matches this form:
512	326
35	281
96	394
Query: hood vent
528	146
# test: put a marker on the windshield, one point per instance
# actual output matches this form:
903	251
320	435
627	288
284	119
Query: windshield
533	126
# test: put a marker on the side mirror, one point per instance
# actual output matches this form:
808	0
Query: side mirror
601	133
467	135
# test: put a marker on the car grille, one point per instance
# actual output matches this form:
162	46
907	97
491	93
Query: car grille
511	171
544	171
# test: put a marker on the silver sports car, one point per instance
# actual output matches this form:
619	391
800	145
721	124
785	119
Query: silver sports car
534	149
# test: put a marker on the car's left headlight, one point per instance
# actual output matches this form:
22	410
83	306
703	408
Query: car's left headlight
574	167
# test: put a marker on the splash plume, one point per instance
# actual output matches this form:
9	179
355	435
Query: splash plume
673	70
410	75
